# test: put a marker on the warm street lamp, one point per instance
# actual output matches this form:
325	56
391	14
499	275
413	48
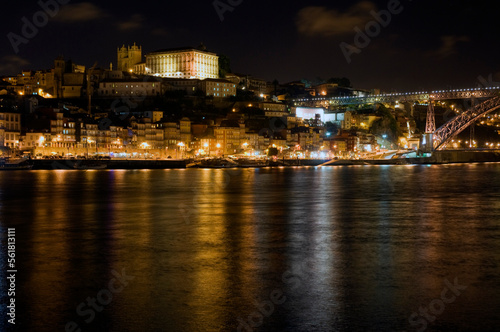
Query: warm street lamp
180	145
206	145
218	147
89	140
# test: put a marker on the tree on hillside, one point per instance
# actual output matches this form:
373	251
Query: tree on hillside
275	84
332	128
387	125
343	82
224	65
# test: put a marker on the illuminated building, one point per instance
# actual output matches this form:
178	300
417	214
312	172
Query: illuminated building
326	89
65	80
247	82
63	132
191	63
10	129
33	140
218	88
129	57
130	87
68	79
229	135
185	130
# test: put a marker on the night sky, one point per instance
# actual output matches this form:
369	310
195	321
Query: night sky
428	45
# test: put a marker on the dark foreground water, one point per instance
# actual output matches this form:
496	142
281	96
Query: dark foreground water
300	249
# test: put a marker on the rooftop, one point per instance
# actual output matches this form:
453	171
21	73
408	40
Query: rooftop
201	48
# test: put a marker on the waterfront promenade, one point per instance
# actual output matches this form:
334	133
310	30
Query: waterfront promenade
441	157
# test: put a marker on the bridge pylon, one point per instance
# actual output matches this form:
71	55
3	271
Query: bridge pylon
430	126
427	142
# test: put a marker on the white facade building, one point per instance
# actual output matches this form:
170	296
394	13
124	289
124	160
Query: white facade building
190	63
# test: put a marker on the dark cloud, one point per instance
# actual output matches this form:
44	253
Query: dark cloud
450	44
423	47
13	64
159	32
80	12
134	23
321	21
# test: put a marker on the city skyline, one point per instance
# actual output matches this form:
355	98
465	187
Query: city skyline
390	45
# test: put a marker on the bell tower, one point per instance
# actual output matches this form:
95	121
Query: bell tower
122	58
128	57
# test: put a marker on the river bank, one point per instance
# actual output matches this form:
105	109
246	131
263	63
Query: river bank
439	157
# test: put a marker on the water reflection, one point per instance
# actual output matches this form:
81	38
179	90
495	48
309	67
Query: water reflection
351	249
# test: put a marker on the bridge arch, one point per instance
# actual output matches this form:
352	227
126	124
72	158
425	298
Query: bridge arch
455	126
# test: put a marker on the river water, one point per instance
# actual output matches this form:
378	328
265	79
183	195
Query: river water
362	248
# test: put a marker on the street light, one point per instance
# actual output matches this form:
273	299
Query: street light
206	145
89	140
180	145
41	143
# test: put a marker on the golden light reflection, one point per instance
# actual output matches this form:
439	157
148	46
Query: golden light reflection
223	225
50	246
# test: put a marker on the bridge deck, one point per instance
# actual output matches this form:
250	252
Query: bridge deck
486	92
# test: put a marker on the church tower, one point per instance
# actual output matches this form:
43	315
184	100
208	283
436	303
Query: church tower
128	57
59	69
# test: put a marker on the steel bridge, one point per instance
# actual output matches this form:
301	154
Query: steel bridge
403	97
441	136
455	126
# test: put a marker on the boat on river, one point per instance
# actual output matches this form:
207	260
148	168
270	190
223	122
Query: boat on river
214	163
251	163
229	163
